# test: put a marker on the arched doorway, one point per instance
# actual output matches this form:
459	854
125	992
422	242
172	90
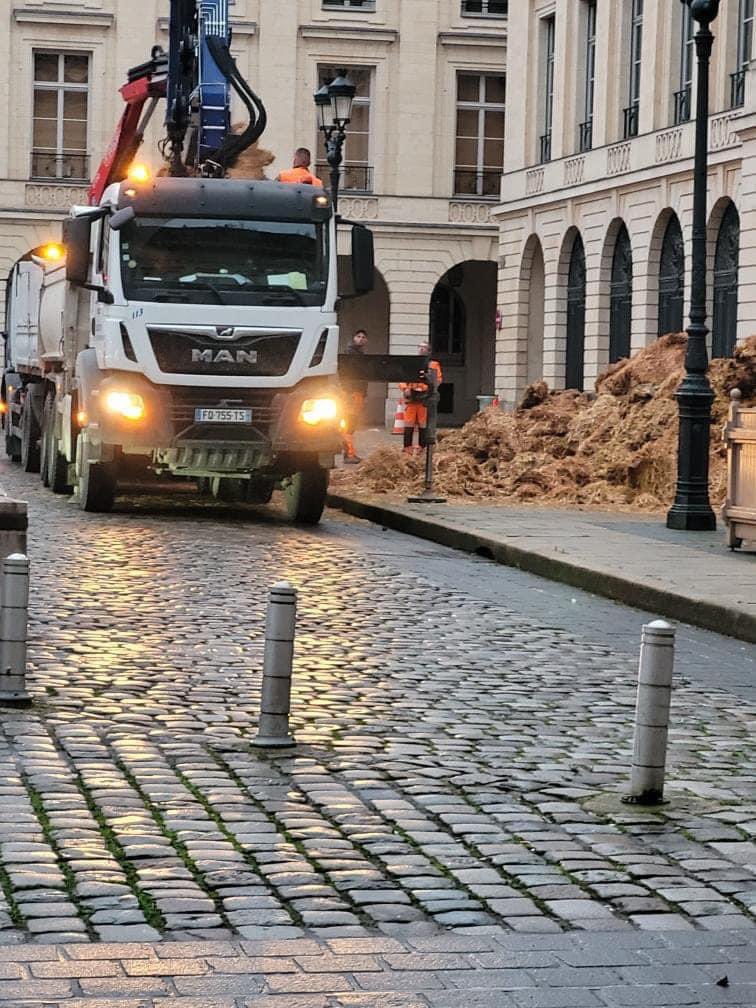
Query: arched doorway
371	312
725	318
671	279
621	297
462	334
533	286
574	371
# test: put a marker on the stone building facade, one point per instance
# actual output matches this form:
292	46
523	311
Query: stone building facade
424	154
596	212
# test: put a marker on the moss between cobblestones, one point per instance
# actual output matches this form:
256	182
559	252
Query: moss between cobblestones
217	819
17	918
69	878
178	845
147	905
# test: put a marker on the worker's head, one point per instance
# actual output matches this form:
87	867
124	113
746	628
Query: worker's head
360	338
302	158
424	349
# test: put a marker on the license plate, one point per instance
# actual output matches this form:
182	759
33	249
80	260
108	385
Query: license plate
203	414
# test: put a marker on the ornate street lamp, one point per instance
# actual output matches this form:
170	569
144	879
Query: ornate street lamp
691	510
333	102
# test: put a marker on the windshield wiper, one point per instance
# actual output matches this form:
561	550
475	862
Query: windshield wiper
205	285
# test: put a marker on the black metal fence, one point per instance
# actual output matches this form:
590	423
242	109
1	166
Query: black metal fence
468	182
51	165
352	178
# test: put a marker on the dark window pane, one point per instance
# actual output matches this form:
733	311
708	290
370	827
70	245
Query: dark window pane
45	66
496	90
76	69
468	88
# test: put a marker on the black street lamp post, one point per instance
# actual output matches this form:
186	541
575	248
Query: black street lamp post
691	510
334	104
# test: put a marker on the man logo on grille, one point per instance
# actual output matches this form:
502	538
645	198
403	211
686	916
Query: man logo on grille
225	332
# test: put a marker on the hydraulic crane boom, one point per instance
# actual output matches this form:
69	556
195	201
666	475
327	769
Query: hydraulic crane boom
195	77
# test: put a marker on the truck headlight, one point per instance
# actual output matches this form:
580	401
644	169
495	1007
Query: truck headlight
128	405
315	411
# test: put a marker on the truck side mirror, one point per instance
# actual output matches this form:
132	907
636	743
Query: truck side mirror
76	239
363	259
121	218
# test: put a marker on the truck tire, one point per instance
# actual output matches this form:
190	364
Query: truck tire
97	486
258	491
54	465
30	434
12	443
305	495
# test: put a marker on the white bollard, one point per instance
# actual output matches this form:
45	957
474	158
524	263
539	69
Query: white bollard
14	618
273	727
657	659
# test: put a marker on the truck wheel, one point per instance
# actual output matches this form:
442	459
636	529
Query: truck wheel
97	485
305	494
30	434
12	443
54	465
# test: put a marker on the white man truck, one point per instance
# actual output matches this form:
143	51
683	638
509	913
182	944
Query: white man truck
186	327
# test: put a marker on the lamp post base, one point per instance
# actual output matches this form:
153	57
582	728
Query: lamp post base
687	520
691	511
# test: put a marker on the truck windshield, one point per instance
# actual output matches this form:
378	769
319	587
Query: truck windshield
217	261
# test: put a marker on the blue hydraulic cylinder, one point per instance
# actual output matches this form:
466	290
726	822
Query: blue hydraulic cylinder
214	91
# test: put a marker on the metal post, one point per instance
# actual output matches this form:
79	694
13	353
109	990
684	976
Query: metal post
691	510
334	145
275	704
14	618
657	658
428	496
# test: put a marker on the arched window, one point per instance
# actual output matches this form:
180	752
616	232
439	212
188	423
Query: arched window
621	298
671	279
724	327
448	321
574	375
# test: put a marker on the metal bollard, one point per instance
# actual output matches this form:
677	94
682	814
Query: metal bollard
14	617
273	727
657	658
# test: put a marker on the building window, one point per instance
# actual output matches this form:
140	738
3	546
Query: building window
485	8
481	109
549	29
745	44
586	127
357	170
630	124
61	105
687	53
447	320
366	5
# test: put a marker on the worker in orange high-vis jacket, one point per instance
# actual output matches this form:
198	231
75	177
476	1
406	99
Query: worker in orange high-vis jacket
415	403
299	173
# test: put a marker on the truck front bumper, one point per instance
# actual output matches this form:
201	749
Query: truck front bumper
172	429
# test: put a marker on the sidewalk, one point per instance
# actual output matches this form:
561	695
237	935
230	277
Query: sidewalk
634	559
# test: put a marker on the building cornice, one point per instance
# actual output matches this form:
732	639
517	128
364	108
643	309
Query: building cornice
353	33
63	15
465	37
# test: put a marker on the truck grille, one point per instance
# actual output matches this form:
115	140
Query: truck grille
184	401
250	355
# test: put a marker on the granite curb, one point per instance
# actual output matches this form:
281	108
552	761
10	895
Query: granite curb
686	608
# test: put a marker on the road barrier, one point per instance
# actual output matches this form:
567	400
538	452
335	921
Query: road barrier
657	659
739	510
275	703
14	620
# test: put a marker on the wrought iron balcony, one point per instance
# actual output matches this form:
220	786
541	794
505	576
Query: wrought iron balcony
368	5
486	8
631	118
546	147
682	106
737	89
352	178
54	166
485	184
586	136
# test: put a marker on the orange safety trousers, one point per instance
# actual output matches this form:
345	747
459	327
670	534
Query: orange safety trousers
415	415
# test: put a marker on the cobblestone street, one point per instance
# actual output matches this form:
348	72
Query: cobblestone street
461	757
